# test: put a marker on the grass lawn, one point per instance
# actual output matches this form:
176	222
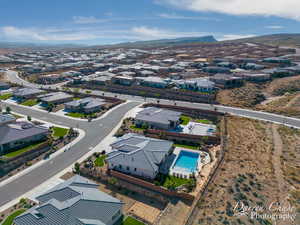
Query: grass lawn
133	127
205	121
80	115
100	161
59	132
76	99
185	120
30	102
22	150
9	220
168	181
187	146
5	96
75	115
131	221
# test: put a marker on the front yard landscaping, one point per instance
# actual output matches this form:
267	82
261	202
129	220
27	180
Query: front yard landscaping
133	127
5	96
59	132
99	162
185	120
9	220
25	149
30	102
81	115
131	221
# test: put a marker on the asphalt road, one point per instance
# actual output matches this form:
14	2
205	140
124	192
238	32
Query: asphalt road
95	132
271	117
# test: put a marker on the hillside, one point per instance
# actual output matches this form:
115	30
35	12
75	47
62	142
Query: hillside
292	40
165	42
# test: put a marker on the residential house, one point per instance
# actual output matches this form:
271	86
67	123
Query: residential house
103	80
4	86
227	65
253	66
14	135
256	77
215	69
55	98
226	80
277	60
76	201
123	80
51	78
27	93
138	155
155	82
196	84
157	118
86	105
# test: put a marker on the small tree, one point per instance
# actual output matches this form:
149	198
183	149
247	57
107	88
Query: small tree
29	118
8	109
50	107
77	167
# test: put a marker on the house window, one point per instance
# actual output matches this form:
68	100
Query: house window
134	169
127	168
120	166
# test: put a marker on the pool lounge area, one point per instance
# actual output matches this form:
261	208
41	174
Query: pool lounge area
188	162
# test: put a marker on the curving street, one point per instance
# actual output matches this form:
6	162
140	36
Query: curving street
97	130
94	135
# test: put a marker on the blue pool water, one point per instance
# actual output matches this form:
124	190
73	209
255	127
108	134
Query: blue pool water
187	161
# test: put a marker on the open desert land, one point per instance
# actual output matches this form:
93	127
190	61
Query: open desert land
260	166
278	96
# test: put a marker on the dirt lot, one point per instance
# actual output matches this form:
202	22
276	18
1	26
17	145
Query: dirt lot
288	104
257	170
282	96
281	86
246	96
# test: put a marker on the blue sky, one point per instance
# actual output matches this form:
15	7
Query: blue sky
114	21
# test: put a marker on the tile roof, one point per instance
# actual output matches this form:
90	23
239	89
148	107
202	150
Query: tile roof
80	203
140	151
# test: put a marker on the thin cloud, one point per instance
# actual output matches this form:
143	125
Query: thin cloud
281	8
181	17
150	33
227	37
275	27
87	20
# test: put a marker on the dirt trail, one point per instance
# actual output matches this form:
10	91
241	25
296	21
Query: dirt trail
277	153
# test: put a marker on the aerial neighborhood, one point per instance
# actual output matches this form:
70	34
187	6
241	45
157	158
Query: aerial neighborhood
133	136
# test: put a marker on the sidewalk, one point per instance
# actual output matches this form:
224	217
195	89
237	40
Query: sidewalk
104	144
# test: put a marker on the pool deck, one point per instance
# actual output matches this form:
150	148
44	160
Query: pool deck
204	159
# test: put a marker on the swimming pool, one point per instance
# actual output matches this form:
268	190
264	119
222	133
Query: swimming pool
187	161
